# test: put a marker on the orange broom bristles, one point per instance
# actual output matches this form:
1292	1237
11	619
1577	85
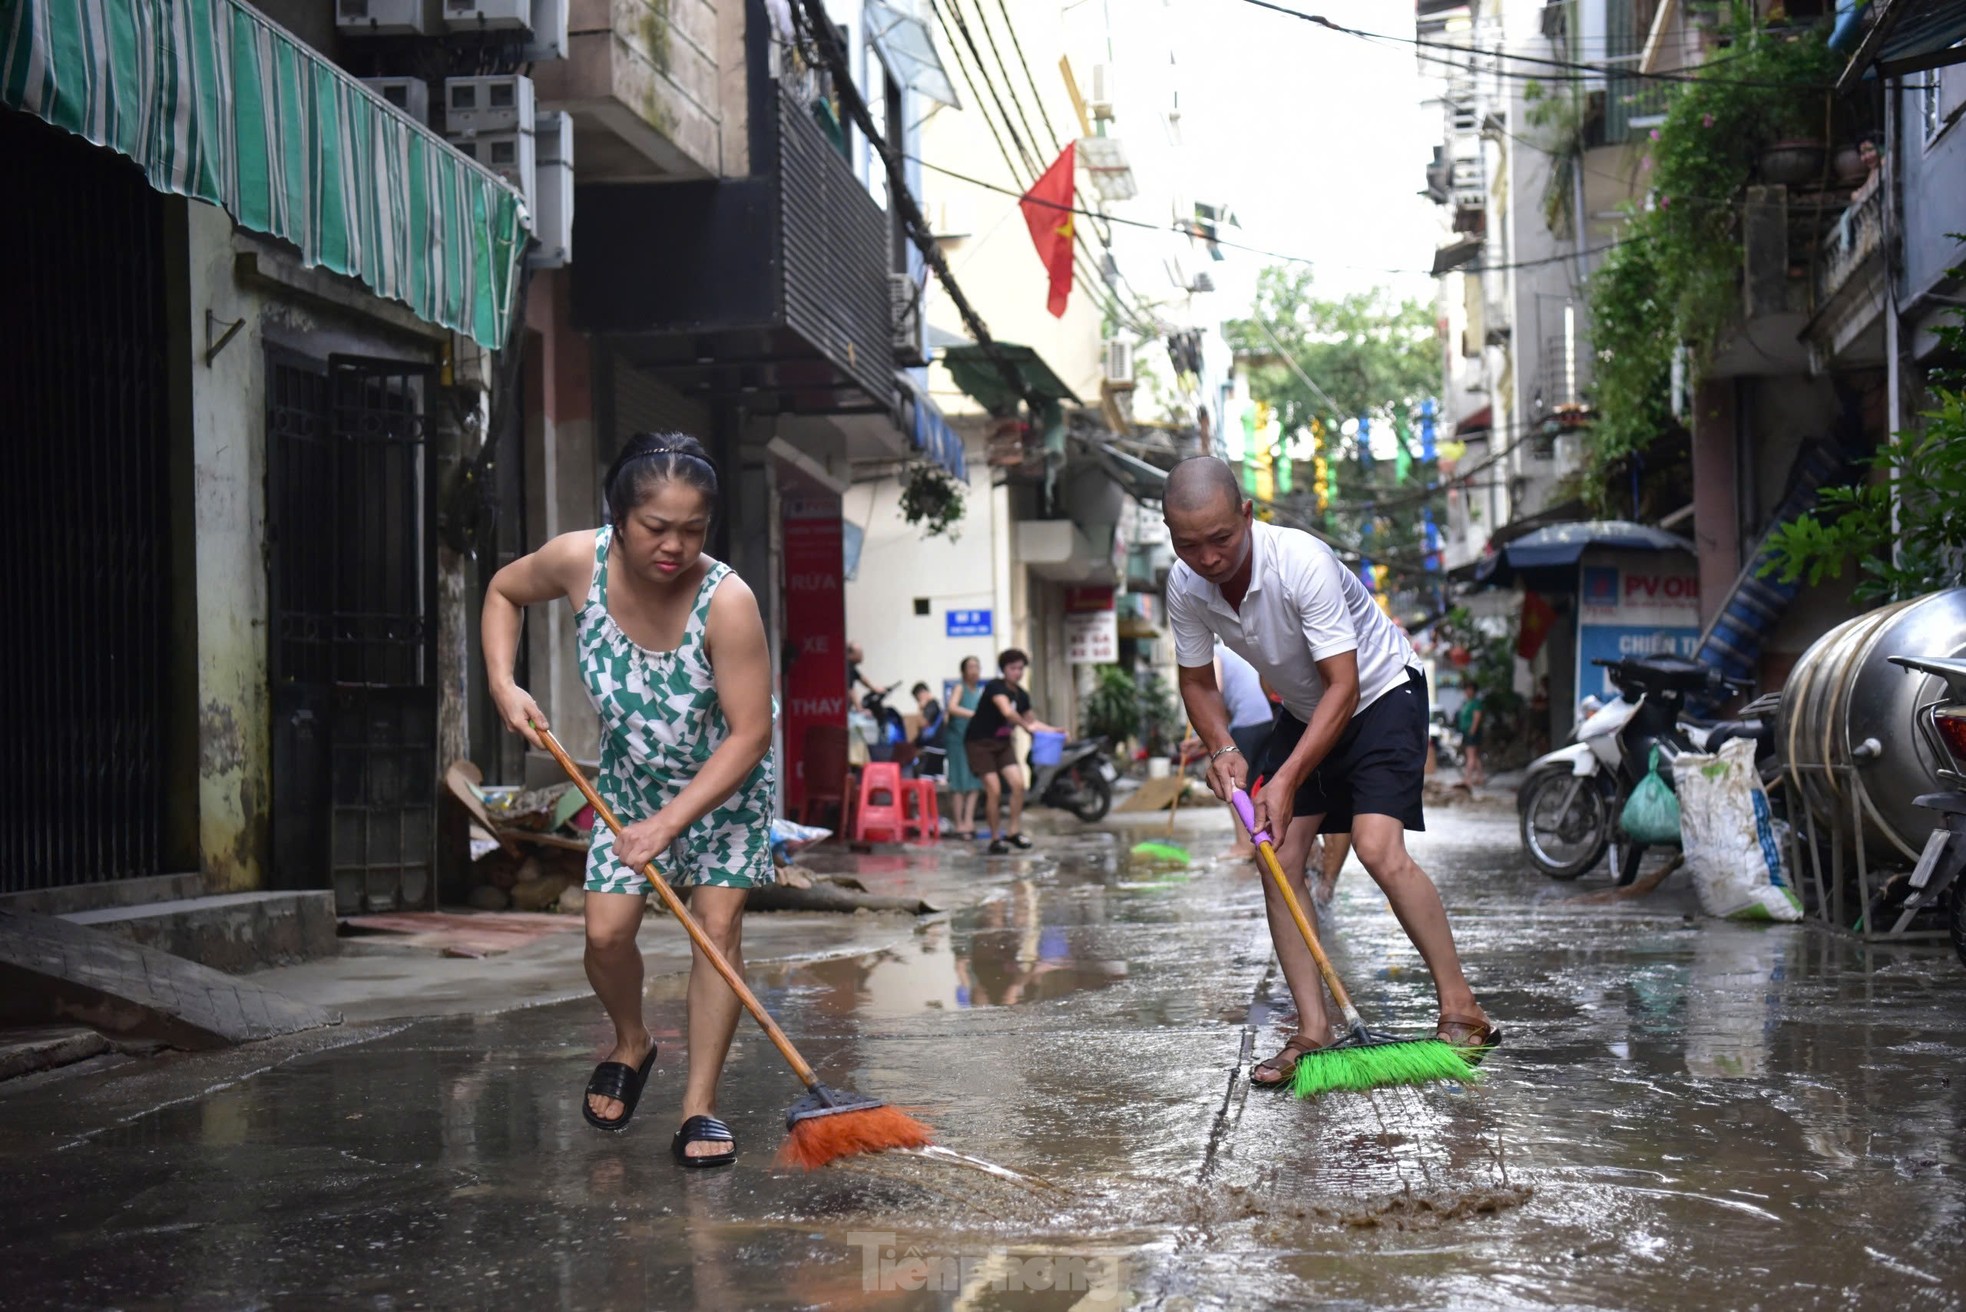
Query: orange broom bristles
817	1140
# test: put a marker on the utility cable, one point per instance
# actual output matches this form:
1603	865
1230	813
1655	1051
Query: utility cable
1086	282
1187	230
1585	70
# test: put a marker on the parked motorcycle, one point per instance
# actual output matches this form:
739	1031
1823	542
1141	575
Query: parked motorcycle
1571	801
1938	881
890	730
1081	782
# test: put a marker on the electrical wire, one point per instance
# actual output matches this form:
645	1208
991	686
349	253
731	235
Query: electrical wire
1585	70
1086	282
1188	230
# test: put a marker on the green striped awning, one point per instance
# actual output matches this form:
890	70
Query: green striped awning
217	102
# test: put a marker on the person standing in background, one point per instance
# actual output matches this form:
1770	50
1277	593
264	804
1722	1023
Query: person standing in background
930	739
1003	707
1250	716
963	782
1474	711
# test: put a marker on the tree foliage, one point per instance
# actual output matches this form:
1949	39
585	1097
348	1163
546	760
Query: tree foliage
1363	354
1364	350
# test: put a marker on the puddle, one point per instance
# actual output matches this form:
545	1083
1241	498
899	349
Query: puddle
1003	953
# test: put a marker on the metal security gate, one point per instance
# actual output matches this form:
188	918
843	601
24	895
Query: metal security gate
349	515
85	551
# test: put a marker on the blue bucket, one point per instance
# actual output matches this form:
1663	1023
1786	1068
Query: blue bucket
1047	747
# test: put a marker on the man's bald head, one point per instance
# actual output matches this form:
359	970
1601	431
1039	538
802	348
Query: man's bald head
1200	483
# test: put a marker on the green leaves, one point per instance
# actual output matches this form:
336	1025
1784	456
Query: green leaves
1926	548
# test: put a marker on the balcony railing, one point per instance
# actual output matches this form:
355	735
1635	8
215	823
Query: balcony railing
1851	240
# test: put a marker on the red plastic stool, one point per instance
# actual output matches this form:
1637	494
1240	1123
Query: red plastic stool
880	779
926	822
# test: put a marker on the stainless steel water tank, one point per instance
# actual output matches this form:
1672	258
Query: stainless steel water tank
1845	705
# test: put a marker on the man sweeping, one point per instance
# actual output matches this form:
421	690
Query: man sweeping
1350	743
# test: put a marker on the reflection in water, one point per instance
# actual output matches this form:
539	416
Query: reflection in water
1000	954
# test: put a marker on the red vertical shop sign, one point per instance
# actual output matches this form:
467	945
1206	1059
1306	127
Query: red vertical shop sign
815	621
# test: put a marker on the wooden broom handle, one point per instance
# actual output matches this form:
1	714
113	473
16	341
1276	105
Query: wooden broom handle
681	913
1247	815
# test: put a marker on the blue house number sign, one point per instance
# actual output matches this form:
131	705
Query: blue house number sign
969	624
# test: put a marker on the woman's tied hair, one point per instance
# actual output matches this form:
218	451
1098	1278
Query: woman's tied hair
648	459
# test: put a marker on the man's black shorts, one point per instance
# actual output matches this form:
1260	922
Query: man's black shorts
1376	768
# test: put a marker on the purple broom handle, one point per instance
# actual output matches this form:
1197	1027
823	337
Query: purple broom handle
1247	810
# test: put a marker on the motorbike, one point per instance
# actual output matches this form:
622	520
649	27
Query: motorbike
1081	782
1938	881
890	730
1570	802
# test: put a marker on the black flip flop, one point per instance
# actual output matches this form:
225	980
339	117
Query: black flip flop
621	1082
703	1129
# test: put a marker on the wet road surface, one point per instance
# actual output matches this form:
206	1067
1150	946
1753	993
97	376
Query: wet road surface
1685	1113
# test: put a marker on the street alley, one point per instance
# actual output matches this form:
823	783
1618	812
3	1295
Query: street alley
1684	1112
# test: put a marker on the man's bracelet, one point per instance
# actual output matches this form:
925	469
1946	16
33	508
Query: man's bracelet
1223	751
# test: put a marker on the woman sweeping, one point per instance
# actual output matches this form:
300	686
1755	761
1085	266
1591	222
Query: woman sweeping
962	780
673	651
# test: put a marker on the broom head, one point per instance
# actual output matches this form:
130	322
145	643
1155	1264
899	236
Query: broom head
1156	851
828	1124
1365	1060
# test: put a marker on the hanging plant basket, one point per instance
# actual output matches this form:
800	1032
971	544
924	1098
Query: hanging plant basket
932	500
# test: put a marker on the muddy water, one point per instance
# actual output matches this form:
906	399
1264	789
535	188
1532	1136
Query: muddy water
1683	1113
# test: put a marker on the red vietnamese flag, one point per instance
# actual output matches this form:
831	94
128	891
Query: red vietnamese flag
1537	617
1048	210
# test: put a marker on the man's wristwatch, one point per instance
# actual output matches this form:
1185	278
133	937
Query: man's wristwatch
1223	751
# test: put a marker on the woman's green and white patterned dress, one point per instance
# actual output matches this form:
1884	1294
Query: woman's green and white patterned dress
660	721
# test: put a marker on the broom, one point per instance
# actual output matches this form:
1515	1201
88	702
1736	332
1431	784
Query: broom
1165	848
1364	1059
827	1123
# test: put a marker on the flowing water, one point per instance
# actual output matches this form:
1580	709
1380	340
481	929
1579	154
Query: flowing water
1684	1113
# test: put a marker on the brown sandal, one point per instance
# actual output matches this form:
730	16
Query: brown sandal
1299	1044
1476	1034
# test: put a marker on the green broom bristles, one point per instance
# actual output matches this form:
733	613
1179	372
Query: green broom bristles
1162	852
1362	1067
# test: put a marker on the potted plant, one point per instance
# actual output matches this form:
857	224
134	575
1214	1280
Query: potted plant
932	500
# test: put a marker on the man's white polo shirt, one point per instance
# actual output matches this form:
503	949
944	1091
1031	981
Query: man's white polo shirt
1302	607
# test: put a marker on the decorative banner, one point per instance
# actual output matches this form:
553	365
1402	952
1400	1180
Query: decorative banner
1092	637
1427	430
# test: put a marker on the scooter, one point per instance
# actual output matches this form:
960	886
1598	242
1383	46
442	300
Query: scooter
890	730
1571	800
1938	881
1081	782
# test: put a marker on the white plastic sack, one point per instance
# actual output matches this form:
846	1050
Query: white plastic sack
1729	836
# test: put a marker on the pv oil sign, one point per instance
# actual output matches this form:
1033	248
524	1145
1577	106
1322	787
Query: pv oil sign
1634	603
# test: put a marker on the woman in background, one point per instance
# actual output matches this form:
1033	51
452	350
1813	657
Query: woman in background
963	782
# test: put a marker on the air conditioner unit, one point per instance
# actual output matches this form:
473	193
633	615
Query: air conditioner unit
508	154
409	94
499	103
1119	361
488	15
552	199
549	31
1100	103
379	17
904	296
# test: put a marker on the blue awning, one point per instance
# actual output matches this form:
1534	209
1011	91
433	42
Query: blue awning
1561	546
928	432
